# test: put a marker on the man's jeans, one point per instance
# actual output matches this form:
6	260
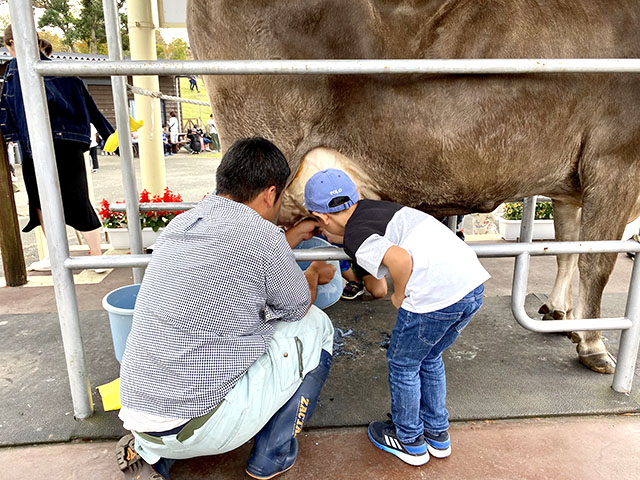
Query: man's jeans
416	370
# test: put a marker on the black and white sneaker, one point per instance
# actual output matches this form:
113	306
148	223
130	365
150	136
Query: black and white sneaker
438	445
383	435
352	290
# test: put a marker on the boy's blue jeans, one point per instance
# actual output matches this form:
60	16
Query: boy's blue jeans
416	370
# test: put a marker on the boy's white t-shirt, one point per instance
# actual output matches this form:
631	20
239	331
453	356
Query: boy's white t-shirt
445	269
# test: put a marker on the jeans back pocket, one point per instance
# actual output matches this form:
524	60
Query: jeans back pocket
434	325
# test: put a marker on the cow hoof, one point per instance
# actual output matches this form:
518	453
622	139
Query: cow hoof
548	314
601	362
574	336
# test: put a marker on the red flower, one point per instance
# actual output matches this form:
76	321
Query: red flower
153	219
144	196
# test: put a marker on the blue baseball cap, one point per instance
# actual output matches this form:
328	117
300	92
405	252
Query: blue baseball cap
328	185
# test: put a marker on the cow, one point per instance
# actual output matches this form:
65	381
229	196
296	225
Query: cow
447	144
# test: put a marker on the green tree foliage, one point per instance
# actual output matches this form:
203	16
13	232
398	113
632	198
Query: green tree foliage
86	31
90	27
178	50
161	46
58	13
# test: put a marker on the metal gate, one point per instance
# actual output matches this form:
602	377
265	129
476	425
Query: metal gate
32	71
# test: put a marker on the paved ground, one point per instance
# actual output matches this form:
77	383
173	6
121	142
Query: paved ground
586	448
498	374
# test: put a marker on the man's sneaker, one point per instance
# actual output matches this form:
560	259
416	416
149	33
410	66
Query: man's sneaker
438	445
383	435
353	290
131	463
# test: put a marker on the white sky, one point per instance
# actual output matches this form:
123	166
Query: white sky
169	34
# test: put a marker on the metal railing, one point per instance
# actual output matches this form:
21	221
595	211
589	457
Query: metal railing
32	71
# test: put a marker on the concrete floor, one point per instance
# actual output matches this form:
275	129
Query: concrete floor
586	448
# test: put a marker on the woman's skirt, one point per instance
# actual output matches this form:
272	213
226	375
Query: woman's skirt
72	174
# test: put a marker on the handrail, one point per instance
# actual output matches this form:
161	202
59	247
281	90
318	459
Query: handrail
340	67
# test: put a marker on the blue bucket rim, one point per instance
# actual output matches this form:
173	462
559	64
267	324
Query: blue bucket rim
110	308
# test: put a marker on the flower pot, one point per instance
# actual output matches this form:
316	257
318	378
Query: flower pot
119	237
510	229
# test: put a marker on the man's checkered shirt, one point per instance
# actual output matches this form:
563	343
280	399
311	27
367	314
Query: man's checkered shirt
219	276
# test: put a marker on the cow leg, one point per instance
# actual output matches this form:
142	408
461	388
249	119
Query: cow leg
559	305
600	222
595	270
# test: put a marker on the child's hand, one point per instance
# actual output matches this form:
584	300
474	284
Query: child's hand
303	230
306	228
397	299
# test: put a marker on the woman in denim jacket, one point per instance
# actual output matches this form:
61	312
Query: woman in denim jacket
71	110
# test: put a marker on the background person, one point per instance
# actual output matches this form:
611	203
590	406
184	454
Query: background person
71	110
195	143
174	129
213	134
93	148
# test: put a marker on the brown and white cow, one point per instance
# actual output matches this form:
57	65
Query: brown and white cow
447	144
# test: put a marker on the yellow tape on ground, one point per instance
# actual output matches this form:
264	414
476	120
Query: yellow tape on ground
110	393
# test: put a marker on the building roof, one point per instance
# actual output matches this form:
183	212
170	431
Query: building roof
5	57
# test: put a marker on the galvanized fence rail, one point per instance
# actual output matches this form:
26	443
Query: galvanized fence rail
32	71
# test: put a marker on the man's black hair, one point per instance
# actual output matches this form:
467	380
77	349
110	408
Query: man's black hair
250	166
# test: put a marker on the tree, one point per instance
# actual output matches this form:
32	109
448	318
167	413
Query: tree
86	31
58	13
90	25
161	46
178	50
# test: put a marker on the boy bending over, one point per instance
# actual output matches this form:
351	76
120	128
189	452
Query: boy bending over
438	287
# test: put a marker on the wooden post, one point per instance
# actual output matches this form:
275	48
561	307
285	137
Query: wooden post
15	271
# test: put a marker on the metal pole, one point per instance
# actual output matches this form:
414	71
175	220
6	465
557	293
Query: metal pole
554	248
329	253
156	206
452	222
343	67
519	293
35	105
629	339
119	89
528	215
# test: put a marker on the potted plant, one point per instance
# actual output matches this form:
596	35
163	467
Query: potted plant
511	218
152	223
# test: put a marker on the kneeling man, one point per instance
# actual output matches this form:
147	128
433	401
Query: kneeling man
224	344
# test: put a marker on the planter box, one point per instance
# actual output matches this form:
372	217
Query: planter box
119	237
510	229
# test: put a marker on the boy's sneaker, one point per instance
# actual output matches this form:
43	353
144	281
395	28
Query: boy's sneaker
383	435
353	290
438	445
